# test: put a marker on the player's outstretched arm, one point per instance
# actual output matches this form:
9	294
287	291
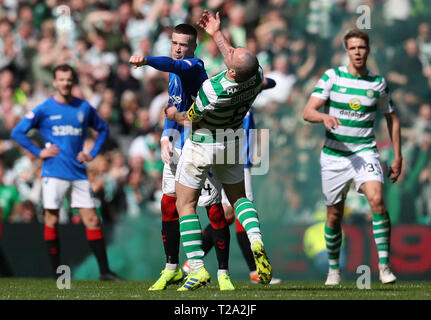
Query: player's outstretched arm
164	64
211	25
137	60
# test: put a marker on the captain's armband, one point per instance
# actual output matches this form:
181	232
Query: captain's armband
193	115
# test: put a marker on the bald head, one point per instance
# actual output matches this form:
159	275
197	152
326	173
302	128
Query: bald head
244	64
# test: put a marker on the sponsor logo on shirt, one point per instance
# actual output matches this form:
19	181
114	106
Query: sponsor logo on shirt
355	104
66	131
242	86
352	114
55	117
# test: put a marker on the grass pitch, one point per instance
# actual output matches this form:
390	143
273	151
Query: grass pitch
44	289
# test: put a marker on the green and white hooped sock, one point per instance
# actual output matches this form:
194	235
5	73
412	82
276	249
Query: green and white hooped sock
382	234
247	216
333	239
191	238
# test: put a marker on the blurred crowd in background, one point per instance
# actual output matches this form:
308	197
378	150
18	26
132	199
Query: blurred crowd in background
295	41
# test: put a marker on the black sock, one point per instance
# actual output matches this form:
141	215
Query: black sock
99	249
221	240
171	240
207	239
244	245
53	247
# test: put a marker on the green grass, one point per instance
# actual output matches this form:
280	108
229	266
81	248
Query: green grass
41	289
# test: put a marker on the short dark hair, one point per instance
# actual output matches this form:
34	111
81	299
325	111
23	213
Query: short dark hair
65	67
357	33
247	68
188	29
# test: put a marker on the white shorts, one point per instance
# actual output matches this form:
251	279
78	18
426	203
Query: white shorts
339	172
210	193
248	188
54	191
199	158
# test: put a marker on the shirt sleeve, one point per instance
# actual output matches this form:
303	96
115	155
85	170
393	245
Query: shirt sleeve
384	103
206	100
167	64
97	123
19	133
324	85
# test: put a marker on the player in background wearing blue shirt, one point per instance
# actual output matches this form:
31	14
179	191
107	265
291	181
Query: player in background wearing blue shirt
186	74
63	122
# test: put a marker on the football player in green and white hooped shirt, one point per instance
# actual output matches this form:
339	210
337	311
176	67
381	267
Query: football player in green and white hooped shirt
222	103
352	96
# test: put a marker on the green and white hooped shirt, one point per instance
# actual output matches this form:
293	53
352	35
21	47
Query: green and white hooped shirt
222	104
354	101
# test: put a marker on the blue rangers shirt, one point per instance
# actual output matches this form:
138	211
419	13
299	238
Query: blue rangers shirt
64	125
185	79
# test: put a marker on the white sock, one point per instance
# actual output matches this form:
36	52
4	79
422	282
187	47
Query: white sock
254	237
171	266
196	264
222	271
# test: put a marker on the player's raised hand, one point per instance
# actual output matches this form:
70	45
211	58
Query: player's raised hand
137	60
84	157
209	23
49	152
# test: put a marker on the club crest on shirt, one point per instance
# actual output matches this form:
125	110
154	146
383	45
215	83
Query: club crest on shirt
29	115
175	99
369	93
80	116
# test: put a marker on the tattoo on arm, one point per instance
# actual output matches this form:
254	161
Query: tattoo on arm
222	47
222	43
180	116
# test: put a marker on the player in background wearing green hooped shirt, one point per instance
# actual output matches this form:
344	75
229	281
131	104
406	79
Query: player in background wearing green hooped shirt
352	96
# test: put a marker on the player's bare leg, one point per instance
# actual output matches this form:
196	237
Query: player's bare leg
96	242
381	228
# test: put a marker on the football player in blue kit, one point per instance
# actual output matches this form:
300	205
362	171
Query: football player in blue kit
186	74
63	121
